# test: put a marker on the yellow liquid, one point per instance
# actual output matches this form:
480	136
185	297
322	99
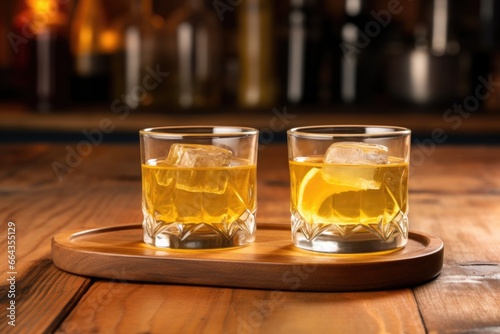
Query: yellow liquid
196	195
348	194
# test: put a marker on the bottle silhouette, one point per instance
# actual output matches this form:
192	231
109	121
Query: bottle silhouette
137	68
193	49
257	83
42	60
91	65
304	52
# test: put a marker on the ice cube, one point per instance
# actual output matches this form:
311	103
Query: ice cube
213	181
196	155
353	165
347	152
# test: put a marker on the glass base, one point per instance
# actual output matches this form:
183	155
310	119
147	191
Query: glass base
201	235
350	238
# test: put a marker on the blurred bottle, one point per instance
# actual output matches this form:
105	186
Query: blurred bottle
42	57
486	51
304	52
257	83
5	56
230	59
432	70
90	47
355	46
194	56
137	68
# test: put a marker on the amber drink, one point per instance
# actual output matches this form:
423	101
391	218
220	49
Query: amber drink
199	186
349	188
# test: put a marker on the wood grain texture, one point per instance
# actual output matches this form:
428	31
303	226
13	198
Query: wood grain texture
470	281
454	194
39	204
44	296
150	308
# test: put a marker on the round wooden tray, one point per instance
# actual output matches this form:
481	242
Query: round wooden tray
271	262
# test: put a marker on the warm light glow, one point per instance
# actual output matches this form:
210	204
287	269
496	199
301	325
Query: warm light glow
86	37
88	24
46	7
109	41
39	14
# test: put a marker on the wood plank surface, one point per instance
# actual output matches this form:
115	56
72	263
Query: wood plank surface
44	297
149	308
39	204
454	195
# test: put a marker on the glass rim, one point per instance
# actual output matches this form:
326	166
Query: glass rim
178	131
382	131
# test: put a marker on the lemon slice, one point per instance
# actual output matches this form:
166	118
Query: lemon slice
313	191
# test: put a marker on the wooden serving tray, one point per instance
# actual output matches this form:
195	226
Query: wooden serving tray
271	262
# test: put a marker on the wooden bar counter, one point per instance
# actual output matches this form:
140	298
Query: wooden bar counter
454	195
